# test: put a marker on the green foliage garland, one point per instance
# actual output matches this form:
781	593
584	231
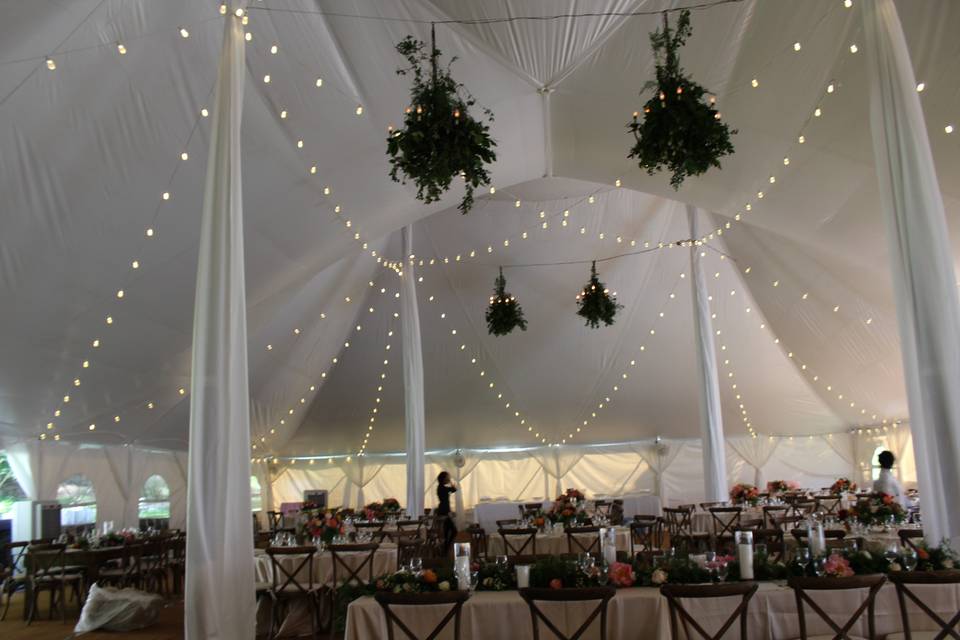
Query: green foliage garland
680	131
595	303
439	139
504	313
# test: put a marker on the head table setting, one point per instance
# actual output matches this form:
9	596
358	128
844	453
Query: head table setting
469	320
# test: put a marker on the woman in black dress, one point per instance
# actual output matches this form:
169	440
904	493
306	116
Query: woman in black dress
445	487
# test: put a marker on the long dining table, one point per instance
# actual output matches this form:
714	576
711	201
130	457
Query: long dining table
642	612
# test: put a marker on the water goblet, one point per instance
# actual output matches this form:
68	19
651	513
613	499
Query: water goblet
909	559
803	558
722	570
603	575
588	564
892	552
819	566
474	580
502	561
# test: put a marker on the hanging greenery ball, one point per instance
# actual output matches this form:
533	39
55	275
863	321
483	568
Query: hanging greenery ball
679	129
595	302
439	139
504	313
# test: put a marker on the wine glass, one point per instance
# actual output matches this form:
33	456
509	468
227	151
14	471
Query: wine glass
416	564
892	552
587	564
722	570
502	562
603	575
803	558
909	559
819	566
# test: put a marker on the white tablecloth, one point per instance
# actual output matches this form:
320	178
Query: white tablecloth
642	505
643	612
486	514
553	543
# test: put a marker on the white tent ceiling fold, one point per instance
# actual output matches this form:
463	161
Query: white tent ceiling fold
90	148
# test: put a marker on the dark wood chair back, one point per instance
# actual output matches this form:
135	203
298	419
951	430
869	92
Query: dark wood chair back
601	594
725	521
646	535
675	593
369	527
290	582
387	599
907	537
352	574
904	579
602	507
583	539
525	538
478	542
509	522
407	550
678	522
274	520
773	538
802	585
771	513
827	505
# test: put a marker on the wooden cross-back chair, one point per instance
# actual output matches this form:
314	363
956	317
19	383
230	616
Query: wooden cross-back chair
801	585
803	508
576	542
674	594
725	521
601	594
407	550
14	576
386	600
46	571
155	566
706	506
602	507
800	535
410	526
907	537
616	511
508	522
130	571
773	538
904	579
771	513
274	520
289	583
645	535
478	542
528	537
827	505
679	523
530	508
341	567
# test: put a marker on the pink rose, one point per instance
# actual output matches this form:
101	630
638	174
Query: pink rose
556	583
621	574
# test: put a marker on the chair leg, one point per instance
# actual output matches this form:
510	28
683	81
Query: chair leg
8	590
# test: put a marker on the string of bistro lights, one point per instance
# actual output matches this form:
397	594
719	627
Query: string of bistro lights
324	375
184	32
375	409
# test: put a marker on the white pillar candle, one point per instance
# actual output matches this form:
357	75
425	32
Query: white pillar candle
745	558
523	576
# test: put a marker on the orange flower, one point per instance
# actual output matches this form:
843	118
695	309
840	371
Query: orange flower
922	554
887	499
429	576
556	583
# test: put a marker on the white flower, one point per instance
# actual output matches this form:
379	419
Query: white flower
659	576
948	564
895	566
444	586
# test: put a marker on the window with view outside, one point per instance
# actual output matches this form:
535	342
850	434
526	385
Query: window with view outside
79	501
256	496
155	498
10	491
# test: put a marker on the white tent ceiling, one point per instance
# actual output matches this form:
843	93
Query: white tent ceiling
89	148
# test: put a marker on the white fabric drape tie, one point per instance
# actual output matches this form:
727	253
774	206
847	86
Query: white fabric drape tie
924	279
557	462
756	452
359	471
219	577
414	412
711	415
659	456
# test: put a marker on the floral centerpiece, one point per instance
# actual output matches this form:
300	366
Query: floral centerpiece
326	527
424	581
777	487
941	558
382	510
843	485
116	539
879	509
742	493
568	509
836	566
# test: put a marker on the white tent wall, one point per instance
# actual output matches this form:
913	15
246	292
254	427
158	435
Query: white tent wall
601	471
60	461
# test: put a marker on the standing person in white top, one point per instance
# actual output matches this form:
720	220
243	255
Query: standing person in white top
887	482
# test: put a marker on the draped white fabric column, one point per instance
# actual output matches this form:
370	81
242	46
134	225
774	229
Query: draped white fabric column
756	452
924	280
414	412
219	574
711	417
659	456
